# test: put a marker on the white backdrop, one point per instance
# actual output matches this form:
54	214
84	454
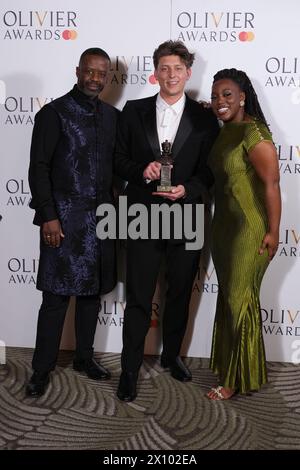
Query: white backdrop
41	41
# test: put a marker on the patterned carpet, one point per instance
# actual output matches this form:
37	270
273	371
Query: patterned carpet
79	413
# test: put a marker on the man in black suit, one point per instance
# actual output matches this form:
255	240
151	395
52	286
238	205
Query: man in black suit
191	129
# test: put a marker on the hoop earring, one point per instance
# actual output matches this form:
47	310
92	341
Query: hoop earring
242	103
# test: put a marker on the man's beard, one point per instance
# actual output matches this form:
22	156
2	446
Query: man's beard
89	92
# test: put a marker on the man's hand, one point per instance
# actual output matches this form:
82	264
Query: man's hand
152	171
177	193
52	233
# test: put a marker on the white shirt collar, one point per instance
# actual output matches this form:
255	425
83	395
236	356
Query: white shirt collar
177	107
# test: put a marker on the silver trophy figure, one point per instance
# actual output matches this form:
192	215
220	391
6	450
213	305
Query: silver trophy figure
166	161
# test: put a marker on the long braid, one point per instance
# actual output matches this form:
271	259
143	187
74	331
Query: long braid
252	106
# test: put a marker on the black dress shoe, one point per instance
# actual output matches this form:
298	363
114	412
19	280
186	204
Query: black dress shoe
177	368
37	385
93	369
127	386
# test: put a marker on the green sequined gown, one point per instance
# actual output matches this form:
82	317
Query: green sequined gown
238	227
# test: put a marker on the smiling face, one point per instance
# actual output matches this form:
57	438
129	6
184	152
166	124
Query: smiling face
92	74
225	100
172	74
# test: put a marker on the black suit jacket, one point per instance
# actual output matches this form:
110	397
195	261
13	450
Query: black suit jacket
138	145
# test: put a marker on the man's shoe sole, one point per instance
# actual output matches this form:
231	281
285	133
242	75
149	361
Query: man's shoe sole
126	399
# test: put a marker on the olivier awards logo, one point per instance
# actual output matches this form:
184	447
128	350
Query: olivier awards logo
284	322
22	271
20	110
213	27
282	72
289	243
18	192
206	280
132	70
35	25
289	159
111	313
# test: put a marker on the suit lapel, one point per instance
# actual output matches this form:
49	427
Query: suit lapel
184	129
149	121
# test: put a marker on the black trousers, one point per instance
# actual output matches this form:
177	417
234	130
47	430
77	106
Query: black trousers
50	326
143	264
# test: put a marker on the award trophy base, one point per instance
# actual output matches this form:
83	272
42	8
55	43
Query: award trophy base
164	189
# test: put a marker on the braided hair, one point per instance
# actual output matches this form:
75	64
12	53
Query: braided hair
252	106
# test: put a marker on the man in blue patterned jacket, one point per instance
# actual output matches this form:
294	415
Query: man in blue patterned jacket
70	174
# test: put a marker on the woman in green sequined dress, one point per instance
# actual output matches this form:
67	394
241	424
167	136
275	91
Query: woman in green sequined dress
245	232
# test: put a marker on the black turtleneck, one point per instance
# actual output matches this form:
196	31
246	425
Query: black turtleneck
89	102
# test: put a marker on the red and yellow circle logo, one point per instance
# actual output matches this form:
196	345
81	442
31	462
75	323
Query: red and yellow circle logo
152	80
69	34
246	36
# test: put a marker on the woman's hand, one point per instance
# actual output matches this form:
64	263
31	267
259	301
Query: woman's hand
270	243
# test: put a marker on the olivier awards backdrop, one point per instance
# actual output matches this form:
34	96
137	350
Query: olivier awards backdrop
41	41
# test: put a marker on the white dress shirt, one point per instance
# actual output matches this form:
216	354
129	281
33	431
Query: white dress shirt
168	118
